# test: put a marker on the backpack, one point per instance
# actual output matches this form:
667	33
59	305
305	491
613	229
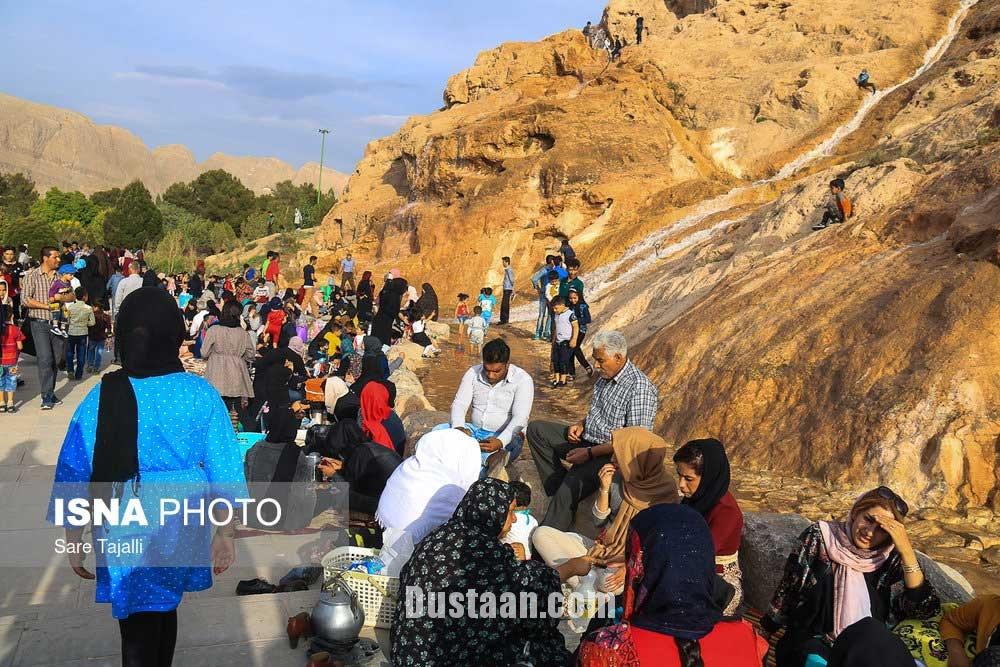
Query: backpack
316	390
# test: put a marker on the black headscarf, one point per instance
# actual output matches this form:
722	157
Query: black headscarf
466	553
149	279
868	643
671	593
148	335
428	301
714	475
282	425
230	314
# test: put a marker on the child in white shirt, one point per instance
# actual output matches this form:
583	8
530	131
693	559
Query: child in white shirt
477	330
524	524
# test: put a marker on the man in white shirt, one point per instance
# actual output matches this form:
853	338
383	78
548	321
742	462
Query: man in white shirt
500	395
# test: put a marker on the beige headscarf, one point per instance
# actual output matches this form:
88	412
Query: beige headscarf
645	465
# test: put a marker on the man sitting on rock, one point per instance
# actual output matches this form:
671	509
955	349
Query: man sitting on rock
568	458
501	395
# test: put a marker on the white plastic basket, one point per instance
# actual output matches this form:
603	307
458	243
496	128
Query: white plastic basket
377	593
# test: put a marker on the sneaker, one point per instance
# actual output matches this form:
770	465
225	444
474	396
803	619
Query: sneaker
55	330
11	408
46	405
554	384
54	400
3	408
820	225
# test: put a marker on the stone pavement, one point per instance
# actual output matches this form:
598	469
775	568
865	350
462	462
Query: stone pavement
47	613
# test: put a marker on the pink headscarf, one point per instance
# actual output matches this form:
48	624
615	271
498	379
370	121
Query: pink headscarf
851	601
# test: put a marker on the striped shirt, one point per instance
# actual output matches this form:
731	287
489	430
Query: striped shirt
628	399
36	285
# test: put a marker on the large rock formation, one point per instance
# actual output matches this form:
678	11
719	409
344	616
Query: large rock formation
549	138
856	355
61	148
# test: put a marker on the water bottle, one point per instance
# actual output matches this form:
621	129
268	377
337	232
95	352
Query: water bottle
586	594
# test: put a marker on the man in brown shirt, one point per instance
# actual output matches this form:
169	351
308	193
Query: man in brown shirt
48	347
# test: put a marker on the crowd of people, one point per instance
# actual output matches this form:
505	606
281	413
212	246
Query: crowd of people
280	360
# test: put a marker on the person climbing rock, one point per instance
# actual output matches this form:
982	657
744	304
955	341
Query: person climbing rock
639	25
587	30
864	81
838	206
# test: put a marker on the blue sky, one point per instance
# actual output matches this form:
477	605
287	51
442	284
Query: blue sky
258	78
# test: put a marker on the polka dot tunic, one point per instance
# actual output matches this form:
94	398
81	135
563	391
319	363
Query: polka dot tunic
187	451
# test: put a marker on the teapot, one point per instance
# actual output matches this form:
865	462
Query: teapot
338	615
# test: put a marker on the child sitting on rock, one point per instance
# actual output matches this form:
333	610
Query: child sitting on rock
838	207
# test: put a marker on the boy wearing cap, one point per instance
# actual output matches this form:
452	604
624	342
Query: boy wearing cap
61	286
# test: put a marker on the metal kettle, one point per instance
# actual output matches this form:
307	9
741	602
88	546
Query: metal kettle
338	615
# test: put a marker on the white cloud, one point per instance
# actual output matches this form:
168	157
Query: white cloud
187	82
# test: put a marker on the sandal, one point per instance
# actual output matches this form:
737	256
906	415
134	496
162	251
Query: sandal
3	408
11	409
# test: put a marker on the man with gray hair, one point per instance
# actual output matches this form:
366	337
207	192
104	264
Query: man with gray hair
569	458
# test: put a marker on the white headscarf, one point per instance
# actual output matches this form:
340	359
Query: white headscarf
334	389
426	488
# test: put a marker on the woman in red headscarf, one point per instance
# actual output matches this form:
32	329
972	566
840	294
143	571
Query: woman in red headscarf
378	420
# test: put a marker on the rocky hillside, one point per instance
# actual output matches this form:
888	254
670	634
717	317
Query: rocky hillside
61	148
687	175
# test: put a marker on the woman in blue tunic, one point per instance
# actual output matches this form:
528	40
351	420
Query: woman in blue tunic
150	431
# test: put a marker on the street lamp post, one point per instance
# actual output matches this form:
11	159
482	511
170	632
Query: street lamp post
322	147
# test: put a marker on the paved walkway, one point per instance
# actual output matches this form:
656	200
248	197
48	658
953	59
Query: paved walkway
47	613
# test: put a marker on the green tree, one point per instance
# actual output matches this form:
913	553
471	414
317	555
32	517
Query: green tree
172	253
106	198
134	221
17	194
71	230
30	230
316	212
181	195
59	205
255	226
222	237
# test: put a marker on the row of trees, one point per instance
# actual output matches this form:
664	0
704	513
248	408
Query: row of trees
206	216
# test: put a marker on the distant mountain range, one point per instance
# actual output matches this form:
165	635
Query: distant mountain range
65	149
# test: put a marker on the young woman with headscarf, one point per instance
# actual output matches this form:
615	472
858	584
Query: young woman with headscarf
703	480
425	490
428	302
374	366
669	616
636	478
146	427
227	351
366	298
379	421
466	554
389	303
845	571
273	369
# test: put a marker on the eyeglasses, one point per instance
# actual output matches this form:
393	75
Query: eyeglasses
885	492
